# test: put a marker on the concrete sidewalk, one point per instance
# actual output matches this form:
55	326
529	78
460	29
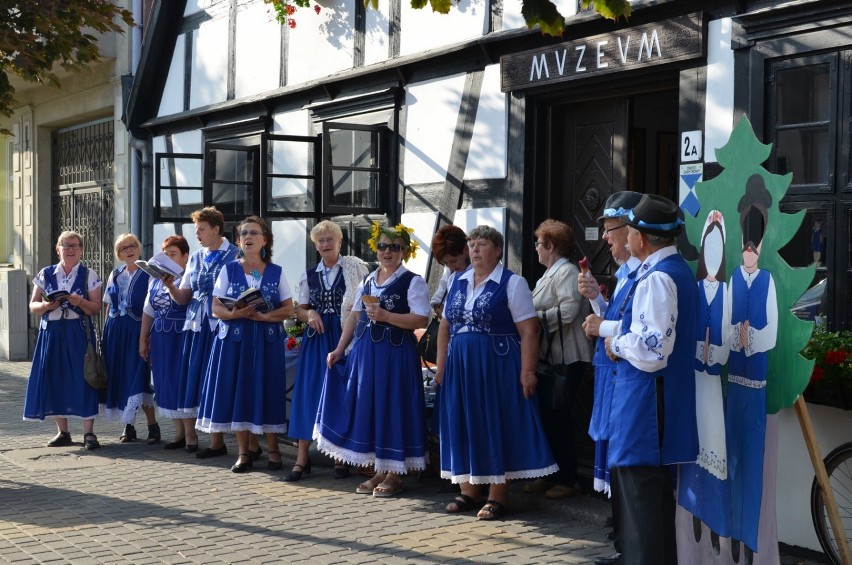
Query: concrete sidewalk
135	503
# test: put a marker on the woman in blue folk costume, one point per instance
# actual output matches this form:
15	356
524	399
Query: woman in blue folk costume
245	383
372	409
704	490
487	355
196	291
56	386
326	295
129	385
162	339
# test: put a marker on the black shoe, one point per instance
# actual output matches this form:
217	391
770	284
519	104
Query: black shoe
212	452
341	471
255	455
274	465
614	559
243	464
128	435
90	441
191	447
296	474
175	444
153	434
61	440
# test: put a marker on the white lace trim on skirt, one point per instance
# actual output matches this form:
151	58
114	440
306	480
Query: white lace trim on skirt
601	485
178	414
359	459
500	479
128	415
208	427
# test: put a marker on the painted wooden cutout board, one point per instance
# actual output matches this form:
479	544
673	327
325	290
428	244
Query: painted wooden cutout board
747	352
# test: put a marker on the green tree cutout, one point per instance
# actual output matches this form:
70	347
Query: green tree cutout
741	157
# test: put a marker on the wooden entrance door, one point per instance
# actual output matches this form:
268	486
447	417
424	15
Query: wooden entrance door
594	165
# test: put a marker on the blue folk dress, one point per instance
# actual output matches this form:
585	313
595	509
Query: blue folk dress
129	384
372	408
165	348
56	386
703	489
326	298
200	277
490	433
245	381
745	423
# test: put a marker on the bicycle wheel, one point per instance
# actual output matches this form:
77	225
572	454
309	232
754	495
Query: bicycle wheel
838	465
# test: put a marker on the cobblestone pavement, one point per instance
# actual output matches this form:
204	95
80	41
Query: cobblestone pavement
137	503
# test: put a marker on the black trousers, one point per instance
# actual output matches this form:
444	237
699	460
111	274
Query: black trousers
647	516
615	500
559	426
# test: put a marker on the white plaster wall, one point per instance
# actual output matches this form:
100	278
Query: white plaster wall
187	142
288	249
258	51
423	29
209	63
512	18
193	6
376	42
321	44
719	116
296	122
423	224
172	101
488	147
431	110
833	427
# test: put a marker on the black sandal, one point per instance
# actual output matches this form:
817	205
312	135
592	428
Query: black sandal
274	465
493	510
463	503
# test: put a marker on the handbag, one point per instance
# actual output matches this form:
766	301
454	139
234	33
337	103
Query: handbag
94	366
552	378
427	347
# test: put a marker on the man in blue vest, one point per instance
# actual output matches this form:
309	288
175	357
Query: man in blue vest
602	324
652	417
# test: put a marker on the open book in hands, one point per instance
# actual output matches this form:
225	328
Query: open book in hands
249	297
60	295
159	265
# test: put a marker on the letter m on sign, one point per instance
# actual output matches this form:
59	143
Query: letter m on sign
537	65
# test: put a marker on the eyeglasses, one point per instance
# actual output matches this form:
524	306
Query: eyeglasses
537	243
127	248
605	231
71	246
392	246
252	233
326	241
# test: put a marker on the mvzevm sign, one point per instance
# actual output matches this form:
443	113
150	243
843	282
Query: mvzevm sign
647	45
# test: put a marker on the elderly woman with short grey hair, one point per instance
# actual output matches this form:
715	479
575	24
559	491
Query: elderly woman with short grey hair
487	355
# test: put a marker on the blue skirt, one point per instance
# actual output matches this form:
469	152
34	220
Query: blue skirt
166	348
489	432
245	388
56	386
195	357
372	408
602	481
129	385
310	374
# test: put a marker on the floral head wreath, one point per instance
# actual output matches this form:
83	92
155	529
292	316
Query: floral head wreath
398	232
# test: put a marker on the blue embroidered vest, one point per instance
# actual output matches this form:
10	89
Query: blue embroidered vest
234	329
202	277
749	303
79	285
135	299
393	299
490	314
640	433
326	297
168	314
710	316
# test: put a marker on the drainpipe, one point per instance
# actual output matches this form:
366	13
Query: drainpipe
141	202
137	176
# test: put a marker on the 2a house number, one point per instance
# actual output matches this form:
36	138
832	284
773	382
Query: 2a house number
691	146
